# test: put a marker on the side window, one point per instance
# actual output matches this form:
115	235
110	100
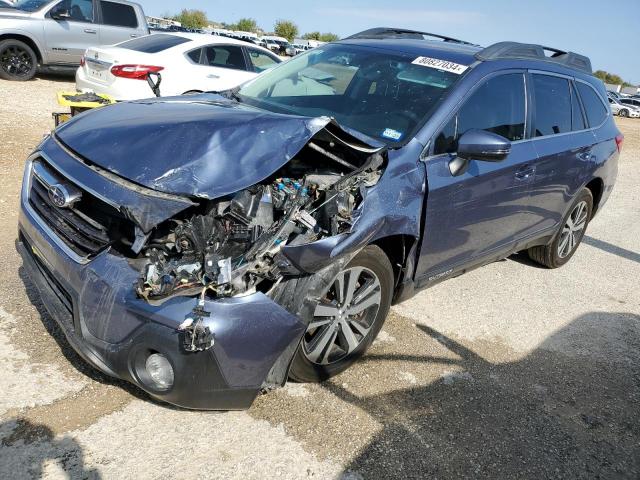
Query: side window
194	55
224	56
577	120
498	106
118	14
553	105
78	10
595	109
260	61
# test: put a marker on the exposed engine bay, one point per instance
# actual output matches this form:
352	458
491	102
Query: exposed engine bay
232	246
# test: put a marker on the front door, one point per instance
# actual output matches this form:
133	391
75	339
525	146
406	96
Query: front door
68	36
484	211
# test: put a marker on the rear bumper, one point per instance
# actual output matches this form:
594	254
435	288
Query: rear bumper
103	320
121	89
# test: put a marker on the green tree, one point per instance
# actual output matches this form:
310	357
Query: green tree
246	25
607	77
286	29
329	37
322	37
192	18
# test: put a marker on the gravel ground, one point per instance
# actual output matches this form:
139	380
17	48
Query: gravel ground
510	371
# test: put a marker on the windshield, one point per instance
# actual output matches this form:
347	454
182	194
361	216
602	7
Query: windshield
381	94
30	5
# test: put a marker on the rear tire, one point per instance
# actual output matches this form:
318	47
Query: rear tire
569	236
18	61
342	319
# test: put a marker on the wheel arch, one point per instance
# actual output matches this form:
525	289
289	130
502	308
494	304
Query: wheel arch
596	187
398	250
26	39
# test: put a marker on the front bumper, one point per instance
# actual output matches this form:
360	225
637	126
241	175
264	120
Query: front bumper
96	307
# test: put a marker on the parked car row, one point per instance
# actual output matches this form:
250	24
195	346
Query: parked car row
624	107
64	34
276	44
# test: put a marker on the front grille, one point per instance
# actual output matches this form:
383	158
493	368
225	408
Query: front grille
55	286
87	225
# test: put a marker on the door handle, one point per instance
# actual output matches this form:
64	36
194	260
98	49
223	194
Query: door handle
90	30
134	35
585	156
525	173
211	75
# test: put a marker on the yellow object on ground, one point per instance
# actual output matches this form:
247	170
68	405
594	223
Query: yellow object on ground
79	102
84	100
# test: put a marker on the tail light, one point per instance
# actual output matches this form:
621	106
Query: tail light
135	72
82	61
619	142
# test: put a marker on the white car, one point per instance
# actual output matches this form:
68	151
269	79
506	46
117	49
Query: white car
623	110
187	63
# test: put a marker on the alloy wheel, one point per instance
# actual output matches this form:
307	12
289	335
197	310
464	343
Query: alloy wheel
573	229
16	61
343	317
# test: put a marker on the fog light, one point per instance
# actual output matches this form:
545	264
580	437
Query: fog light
160	371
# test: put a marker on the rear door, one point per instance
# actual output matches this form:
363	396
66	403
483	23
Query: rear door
67	39
563	143
216	67
477	215
118	22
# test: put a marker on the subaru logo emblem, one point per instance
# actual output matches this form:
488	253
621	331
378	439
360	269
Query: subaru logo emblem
61	197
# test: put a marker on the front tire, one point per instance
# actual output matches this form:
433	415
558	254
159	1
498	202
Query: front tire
18	61
624	113
347	317
568	238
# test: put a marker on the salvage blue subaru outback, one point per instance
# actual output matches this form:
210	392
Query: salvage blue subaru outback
209	247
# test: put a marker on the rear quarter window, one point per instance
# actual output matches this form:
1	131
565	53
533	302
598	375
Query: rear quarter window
595	109
155	43
118	15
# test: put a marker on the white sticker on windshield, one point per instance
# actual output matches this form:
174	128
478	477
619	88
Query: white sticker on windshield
440	65
392	134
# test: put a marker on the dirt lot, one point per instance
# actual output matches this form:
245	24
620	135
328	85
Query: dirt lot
511	371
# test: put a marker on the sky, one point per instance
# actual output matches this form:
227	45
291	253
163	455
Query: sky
604	30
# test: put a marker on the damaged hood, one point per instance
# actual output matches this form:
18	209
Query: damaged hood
202	146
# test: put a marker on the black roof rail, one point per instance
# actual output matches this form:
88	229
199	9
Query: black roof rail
515	50
384	32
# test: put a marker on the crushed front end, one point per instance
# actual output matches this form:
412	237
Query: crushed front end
177	293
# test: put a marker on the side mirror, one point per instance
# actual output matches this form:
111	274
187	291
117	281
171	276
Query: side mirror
60	13
479	145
